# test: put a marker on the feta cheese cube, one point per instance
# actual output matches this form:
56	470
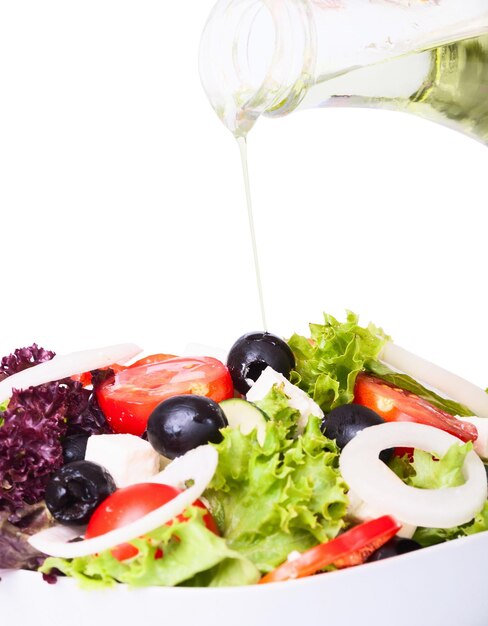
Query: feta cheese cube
299	400
128	458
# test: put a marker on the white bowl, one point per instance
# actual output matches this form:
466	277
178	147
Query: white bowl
440	586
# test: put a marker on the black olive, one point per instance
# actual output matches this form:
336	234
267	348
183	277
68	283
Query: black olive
74	448
253	353
394	547
75	491
344	422
182	423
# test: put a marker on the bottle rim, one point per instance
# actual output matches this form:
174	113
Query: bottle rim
257	57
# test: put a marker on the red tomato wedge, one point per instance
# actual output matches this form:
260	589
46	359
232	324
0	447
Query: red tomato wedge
153	358
398	405
131	503
86	378
351	548
130	397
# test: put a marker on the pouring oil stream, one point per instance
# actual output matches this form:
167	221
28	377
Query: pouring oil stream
242	143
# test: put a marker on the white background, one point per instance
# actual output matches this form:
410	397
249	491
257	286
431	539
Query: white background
123	214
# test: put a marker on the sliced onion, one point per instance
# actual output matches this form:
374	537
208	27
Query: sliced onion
65	365
452	385
198	465
374	483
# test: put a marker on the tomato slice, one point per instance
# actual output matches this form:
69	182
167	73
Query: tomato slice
397	405
86	378
351	548
131	503
153	358
128	400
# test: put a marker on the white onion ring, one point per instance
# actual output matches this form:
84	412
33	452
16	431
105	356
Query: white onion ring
65	365
198	465
369	478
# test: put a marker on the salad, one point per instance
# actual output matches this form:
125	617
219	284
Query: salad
292	458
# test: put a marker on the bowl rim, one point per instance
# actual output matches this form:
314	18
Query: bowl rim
316	580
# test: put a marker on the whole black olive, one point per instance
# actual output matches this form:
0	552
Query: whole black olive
182	423
344	422
75	491
252	353
74	448
394	547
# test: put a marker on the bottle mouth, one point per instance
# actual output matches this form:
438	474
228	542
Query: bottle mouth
256	57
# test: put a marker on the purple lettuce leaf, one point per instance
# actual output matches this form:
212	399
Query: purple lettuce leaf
89	420
15	530
33	426
35	423
22	359
30	443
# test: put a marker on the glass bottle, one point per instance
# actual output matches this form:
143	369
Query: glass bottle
272	57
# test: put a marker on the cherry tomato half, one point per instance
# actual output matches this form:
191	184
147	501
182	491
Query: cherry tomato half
86	378
128	400
351	548
153	358
398	405
131	503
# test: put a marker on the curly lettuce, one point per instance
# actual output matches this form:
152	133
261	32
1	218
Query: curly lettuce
328	363
284	496
184	553
33	423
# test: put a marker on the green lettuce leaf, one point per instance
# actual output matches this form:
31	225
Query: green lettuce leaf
432	536
426	472
410	384
192	556
286	495
328	363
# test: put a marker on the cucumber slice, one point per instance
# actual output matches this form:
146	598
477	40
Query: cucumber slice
245	416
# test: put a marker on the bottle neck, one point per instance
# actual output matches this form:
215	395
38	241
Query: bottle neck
264	56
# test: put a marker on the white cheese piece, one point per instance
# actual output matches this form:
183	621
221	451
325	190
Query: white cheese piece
481	443
128	458
299	400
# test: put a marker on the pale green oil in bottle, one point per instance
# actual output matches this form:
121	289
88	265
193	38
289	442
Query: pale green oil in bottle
448	85
456	91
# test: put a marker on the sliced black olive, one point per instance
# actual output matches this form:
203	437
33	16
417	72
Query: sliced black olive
75	491
252	353
394	547
182	423
74	448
